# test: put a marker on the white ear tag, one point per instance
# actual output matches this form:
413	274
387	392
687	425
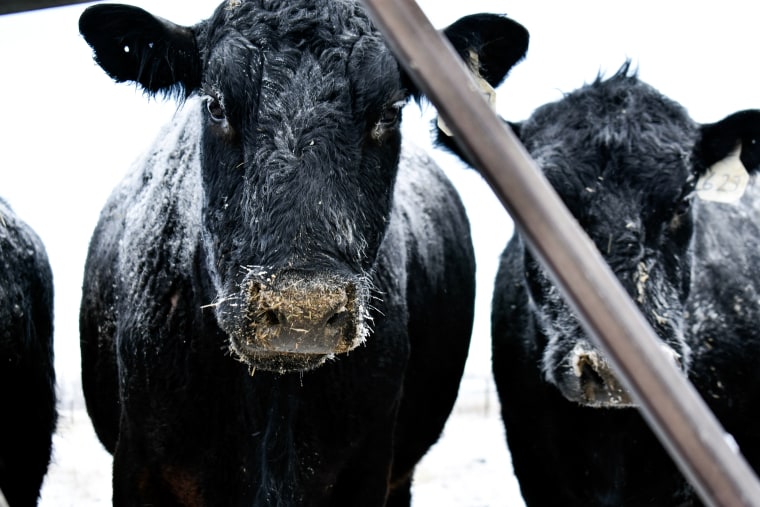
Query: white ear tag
484	88
725	181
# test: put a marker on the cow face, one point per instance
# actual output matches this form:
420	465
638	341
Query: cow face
301	104
625	160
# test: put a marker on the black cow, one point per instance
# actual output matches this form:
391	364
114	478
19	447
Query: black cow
626	160
27	375
278	299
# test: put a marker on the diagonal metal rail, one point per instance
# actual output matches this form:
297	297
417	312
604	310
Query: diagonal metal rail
14	6
673	408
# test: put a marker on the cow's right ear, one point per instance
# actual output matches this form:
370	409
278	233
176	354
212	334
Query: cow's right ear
131	44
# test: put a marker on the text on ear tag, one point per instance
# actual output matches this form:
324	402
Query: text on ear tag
725	181
484	87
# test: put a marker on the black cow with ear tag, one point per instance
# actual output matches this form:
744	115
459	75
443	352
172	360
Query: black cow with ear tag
671	208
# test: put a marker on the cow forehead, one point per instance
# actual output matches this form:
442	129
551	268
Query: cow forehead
304	23
618	135
331	44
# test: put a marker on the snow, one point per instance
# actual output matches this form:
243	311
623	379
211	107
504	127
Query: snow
69	133
80	471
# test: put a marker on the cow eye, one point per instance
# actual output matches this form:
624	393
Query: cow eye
215	109
680	212
390	115
388	120
682	207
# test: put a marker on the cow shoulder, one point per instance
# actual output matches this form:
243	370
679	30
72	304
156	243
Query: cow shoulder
727	249
428	216
149	228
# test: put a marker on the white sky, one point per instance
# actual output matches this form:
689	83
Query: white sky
69	133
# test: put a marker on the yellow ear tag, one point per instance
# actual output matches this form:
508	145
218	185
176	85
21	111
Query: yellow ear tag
483	87
725	181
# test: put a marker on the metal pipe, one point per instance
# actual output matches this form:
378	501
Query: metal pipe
15	6
668	401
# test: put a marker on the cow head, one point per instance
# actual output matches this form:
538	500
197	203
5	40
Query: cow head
301	104
625	160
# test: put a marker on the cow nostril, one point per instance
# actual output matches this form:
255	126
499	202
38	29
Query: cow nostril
270	318
338	318
589	373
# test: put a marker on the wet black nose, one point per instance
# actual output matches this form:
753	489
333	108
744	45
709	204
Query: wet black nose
301	315
590	381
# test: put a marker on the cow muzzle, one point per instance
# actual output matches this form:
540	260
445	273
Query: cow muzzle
588	380
295	322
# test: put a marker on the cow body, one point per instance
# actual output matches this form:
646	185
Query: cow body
626	161
27	375
278	299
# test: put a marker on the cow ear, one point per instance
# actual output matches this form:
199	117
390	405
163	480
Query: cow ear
719	139
131	44
491	43
497	41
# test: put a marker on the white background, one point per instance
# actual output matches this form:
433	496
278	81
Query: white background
68	133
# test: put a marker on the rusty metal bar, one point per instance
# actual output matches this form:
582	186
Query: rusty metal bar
14	6
671	405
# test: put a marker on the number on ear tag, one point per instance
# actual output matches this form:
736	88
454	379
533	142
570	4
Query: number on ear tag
725	181
484	87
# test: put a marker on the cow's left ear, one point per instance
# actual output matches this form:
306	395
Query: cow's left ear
496	41
131	44
719	139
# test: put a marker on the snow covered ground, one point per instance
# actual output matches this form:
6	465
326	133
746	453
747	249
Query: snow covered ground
68	134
